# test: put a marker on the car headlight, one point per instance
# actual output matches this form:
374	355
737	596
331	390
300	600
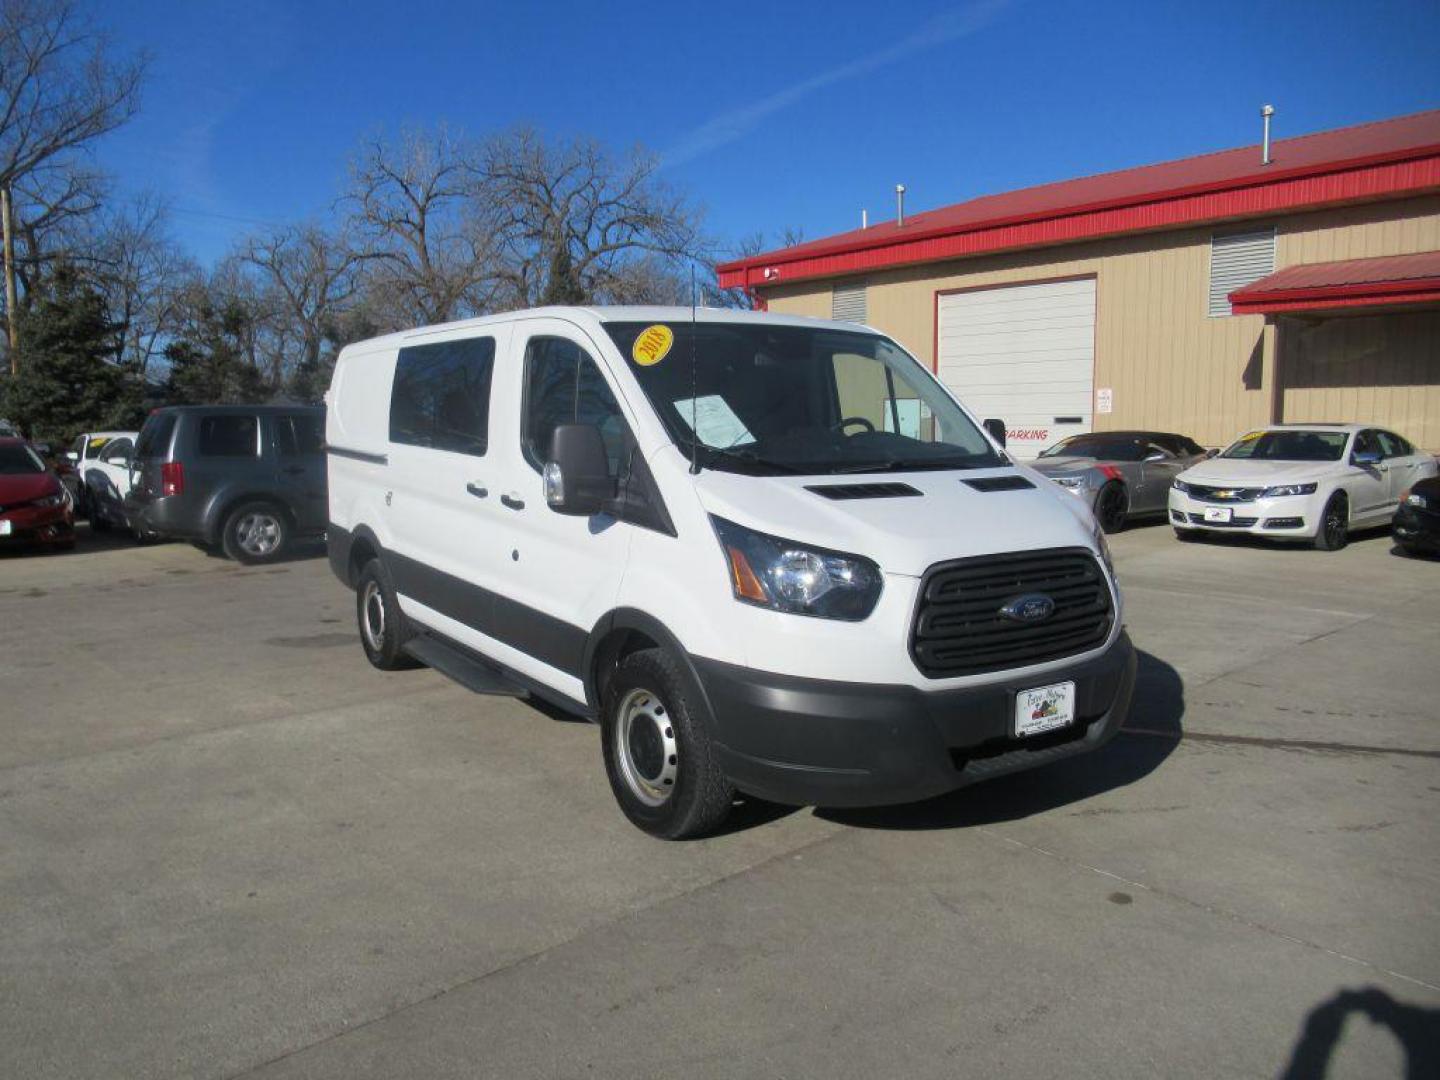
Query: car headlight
1070	483
782	575
49	502
1103	546
1414	498
1180	485
1287	489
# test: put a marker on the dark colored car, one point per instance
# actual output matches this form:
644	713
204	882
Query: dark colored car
1417	522
1121	474
34	505
247	478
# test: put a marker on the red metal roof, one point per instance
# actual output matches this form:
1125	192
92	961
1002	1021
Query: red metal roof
1393	279
1378	160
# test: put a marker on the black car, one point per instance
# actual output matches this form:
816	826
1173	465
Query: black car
1417	523
248	478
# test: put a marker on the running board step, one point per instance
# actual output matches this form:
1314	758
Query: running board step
469	672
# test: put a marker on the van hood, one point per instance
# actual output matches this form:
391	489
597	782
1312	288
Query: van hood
25	487
949	519
1242	473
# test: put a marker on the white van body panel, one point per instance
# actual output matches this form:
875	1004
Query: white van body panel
478	557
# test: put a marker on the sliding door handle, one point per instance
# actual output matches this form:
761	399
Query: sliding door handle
478	490
513	502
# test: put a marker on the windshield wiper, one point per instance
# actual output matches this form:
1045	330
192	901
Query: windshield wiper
752	458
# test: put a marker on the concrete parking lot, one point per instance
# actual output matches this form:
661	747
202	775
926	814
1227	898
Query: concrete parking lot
228	847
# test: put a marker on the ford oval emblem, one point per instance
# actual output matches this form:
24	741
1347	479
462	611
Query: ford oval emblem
1030	608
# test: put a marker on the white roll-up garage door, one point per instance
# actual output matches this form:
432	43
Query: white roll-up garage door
1025	354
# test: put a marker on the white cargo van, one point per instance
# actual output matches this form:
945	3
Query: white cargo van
769	555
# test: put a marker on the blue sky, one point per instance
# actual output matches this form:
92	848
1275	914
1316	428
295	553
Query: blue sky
769	115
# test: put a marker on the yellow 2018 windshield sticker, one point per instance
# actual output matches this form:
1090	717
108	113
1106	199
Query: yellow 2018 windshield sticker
652	345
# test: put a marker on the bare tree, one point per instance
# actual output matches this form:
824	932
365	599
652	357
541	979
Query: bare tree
414	216
576	226
60	89
141	272
309	277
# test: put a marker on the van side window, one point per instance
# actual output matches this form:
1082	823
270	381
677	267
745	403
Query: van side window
298	435
228	436
563	386
441	395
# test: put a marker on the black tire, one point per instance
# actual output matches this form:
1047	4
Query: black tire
382	627
1333	533
1112	505
1189	536
658	754
256	532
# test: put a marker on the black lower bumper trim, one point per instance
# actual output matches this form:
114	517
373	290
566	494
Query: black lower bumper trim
827	743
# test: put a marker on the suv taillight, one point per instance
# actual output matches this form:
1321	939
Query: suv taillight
172	478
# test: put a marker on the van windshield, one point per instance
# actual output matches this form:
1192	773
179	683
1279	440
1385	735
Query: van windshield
771	400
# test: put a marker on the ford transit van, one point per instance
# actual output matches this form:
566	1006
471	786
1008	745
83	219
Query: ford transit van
766	555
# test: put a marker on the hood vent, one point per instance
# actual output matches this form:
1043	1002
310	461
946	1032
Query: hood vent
863	491
999	483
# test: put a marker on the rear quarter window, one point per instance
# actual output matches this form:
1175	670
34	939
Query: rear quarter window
228	436
155	436
300	434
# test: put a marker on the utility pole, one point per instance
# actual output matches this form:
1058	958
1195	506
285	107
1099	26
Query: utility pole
11	323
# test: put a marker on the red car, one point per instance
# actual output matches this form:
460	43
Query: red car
34	506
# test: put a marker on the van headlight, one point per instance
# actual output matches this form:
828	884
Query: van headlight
783	575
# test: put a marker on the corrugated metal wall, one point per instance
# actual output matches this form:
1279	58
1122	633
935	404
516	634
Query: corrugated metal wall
1168	363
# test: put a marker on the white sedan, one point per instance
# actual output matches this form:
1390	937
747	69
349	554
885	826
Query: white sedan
1312	482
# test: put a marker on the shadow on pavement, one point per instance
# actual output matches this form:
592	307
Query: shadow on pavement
1417	1029
1157	709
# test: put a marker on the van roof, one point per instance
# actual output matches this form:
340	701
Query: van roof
599	313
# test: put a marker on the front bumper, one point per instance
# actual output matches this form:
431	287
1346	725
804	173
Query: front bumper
1416	528
38	525
827	743
1293	516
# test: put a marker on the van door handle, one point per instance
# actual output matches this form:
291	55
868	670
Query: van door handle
513	502
477	490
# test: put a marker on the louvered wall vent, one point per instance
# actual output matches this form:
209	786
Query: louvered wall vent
1237	261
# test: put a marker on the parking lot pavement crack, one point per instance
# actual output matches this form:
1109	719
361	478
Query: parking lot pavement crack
1302	745
1221	913
539	954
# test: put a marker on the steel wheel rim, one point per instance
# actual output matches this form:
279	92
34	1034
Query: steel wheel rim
1112	508
372	616
645	747
258	533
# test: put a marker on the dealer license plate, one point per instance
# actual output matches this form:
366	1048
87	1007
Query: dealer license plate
1217	513
1044	709
5	527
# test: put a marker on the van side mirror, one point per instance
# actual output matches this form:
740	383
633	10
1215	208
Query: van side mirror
577	476
996	430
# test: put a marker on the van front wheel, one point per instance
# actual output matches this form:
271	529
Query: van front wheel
657	752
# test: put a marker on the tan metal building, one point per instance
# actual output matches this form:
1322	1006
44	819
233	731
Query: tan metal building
1204	296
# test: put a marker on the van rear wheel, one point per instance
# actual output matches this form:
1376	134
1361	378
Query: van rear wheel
383	632
658	755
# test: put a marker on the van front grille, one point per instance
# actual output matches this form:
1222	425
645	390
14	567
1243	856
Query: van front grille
959	629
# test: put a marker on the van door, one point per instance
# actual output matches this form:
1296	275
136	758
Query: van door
562	572
441	483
